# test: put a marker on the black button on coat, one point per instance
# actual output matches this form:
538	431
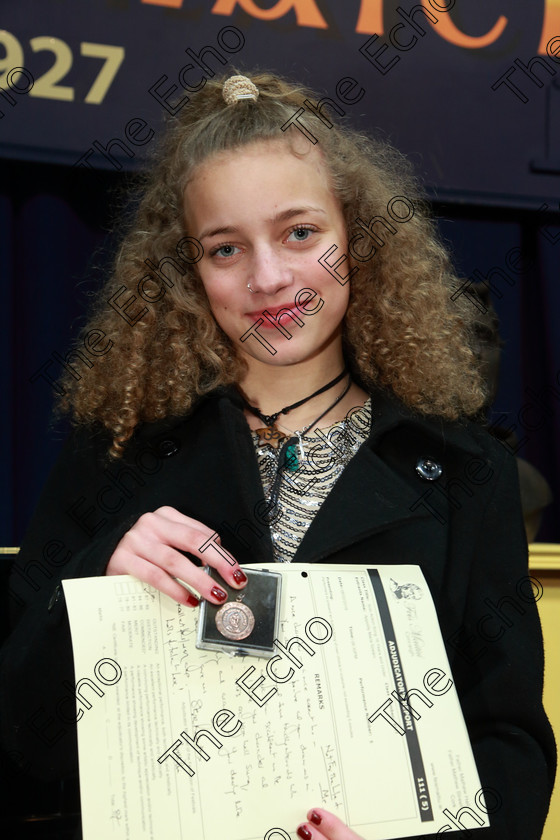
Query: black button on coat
464	529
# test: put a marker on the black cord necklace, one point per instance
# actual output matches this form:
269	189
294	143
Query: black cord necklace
270	434
287	457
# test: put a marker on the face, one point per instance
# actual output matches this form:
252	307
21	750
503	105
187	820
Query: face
264	217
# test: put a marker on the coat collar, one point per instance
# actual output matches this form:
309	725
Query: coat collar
388	414
368	497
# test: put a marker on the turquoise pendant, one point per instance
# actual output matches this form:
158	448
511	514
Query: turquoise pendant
291	461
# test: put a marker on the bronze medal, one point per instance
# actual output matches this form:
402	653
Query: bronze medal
235	621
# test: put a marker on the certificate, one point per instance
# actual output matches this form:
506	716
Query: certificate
356	712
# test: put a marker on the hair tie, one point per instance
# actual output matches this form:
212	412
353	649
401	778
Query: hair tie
239	87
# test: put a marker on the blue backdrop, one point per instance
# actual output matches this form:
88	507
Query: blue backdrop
471	96
468	89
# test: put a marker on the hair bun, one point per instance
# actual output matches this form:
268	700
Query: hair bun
239	87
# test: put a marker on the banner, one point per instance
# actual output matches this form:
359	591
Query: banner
470	91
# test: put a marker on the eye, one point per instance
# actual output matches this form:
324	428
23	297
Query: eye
301	233
223	251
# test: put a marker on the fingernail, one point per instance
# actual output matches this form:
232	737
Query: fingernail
192	601
219	593
239	576
304	833
314	817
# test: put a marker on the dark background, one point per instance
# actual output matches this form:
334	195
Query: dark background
489	161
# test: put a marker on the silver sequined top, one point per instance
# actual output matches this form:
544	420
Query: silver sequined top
321	457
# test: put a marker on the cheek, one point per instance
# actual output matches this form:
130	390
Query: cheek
222	303
219	297
223	317
221	308
336	298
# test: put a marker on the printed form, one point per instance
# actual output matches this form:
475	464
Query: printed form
357	713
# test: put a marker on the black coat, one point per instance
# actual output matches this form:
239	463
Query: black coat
463	528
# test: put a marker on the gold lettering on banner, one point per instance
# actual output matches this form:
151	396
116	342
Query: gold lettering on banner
447	29
172	4
551	24
307	13
370	18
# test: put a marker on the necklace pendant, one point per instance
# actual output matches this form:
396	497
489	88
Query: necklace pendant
270	436
291	461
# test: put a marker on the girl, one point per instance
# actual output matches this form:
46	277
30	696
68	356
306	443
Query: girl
294	384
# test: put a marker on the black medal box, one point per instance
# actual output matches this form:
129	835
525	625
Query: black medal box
247	624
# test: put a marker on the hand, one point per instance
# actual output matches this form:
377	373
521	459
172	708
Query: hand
323	825
149	552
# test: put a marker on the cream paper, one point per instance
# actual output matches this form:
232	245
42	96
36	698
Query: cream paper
315	726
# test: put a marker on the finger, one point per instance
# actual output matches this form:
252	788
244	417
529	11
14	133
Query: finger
128	563
309	832
155	538
173	515
323	825
173	564
180	531
173	528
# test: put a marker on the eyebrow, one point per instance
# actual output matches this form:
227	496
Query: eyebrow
284	216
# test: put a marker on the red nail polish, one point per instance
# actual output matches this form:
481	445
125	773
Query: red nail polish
192	601
218	593
315	818
304	833
239	576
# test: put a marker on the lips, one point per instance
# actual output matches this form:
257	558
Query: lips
273	311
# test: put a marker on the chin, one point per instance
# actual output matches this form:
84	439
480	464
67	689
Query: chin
298	349
287	356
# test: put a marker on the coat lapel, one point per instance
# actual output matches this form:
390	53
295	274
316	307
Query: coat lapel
245	480
368	497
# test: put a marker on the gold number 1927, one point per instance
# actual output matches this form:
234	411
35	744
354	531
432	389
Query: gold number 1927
47	86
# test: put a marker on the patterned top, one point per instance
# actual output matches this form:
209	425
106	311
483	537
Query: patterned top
321	457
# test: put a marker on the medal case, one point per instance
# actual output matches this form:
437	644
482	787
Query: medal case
248	622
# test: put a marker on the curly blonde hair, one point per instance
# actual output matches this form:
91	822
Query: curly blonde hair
402	329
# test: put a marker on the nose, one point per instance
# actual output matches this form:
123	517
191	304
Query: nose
269	271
